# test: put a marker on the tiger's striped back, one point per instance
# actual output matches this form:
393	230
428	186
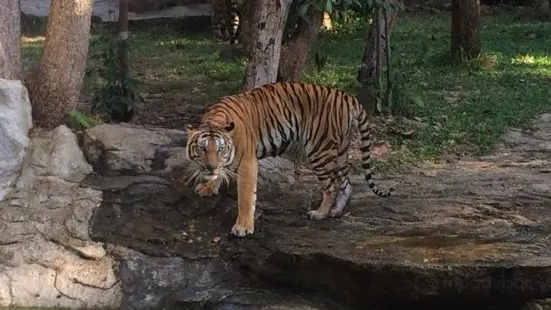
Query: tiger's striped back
239	130
274	116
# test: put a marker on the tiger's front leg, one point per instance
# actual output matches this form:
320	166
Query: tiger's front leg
208	188
246	197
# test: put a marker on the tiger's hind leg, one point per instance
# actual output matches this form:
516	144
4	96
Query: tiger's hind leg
327	202
324	164
342	182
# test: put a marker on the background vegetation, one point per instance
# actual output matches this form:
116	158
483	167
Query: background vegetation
450	109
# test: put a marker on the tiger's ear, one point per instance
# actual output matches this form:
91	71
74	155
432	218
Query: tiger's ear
230	126
189	128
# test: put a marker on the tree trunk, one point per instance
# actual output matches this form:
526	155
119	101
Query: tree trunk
295	51
245	26
465	36
57	84
375	46
123	19
374	56
10	39
267	25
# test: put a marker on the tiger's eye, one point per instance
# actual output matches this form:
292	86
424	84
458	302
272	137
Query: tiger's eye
220	144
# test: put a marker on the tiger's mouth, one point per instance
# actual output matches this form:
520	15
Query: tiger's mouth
211	175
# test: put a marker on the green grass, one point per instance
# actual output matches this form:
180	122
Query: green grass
464	109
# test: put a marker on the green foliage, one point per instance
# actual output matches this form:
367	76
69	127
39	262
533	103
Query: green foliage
455	108
118	96
79	120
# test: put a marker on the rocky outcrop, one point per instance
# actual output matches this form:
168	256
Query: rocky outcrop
46	256
470	234
15	123
473	234
167	238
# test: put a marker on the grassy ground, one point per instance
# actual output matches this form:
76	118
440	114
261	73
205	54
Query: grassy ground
460	109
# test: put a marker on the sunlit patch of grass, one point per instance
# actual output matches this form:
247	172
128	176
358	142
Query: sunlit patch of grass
29	40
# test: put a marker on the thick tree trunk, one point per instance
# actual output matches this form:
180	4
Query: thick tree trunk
123	19
374	56
245	26
57	84
295	51
375	47
267	25
10	39
465	38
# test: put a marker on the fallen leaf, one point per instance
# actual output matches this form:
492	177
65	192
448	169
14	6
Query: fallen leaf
407	133
380	151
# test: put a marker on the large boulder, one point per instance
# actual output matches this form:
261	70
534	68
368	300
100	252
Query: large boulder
471	234
134	150
47	258
15	123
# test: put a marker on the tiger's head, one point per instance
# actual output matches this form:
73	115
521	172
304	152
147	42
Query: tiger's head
210	151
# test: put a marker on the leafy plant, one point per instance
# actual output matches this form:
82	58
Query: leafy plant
80	120
118	97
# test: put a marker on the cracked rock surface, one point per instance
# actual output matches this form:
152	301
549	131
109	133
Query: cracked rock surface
474	233
47	258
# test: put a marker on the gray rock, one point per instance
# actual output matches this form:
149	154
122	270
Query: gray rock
116	149
470	233
57	154
47	258
15	123
127	149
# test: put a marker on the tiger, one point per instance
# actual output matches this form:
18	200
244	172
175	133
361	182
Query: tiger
225	19
239	130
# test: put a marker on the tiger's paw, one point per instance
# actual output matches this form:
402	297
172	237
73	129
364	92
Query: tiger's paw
335	213
242	230
205	189
316	215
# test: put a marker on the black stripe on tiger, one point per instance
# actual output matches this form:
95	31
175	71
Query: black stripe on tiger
267	120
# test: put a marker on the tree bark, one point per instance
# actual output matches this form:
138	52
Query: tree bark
123	19
267	25
465	36
295	51
375	46
57	84
10	39
245	26
374	56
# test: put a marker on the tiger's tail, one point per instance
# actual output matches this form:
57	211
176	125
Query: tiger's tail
363	126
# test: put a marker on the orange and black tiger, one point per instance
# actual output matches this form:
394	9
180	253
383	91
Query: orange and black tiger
225	19
239	130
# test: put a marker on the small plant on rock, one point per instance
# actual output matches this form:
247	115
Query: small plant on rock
118	96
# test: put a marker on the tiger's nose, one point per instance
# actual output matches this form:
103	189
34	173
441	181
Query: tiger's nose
211	168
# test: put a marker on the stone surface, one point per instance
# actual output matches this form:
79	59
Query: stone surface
470	234
134	150
206	283
15	123
47	258
57	153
